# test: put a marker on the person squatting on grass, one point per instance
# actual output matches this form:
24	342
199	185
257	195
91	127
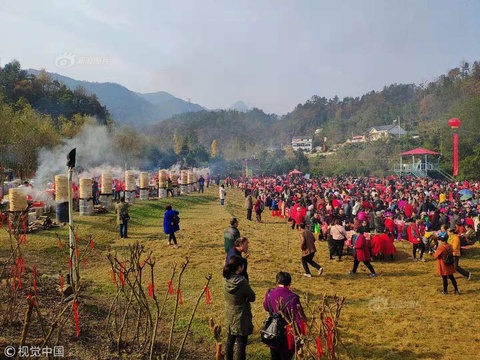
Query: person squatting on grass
170	226
308	251
444	270
285	301
238	312
361	252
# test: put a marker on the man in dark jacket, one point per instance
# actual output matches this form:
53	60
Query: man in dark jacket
240	249
231	234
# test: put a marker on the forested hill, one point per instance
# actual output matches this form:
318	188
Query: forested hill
46	95
421	109
126	106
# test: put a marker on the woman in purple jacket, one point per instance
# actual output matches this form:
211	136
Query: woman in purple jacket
283	300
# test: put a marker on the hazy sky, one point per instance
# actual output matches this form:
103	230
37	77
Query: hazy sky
273	54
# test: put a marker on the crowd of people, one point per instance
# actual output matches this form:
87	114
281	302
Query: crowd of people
366	216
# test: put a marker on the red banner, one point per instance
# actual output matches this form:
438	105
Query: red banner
455	154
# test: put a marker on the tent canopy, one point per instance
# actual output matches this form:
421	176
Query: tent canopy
419	151
294	172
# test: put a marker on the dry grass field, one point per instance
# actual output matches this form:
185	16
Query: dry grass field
398	315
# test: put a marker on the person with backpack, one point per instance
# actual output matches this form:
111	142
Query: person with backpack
238	311
285	302
171	224
445	264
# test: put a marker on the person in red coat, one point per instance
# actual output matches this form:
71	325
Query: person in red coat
300	215
444	270
415	237
361	253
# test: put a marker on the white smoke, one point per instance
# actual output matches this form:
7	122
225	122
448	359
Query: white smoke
95	151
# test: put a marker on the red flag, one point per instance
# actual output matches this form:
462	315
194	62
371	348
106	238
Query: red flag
122	278
84	262
180	296
208	298
171	291
112	276
59	244
24	223
319	348
91	244
75	317
330	325
303	328
69	262
290	337
62	282
22	239
150	290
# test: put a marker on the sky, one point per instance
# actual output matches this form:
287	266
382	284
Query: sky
271	54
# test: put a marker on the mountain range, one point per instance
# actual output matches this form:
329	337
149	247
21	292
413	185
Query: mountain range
128	107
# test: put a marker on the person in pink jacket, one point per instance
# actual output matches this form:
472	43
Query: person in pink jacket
361	253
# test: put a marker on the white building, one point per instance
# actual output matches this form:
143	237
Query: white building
385	131
302	143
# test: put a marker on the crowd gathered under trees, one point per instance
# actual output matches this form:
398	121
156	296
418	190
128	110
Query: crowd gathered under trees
37	112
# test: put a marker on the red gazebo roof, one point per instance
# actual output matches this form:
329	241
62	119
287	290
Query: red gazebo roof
419	151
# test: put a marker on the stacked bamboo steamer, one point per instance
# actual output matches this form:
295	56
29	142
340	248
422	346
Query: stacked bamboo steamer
106	182
162	179
190	177
129	181
85	188
18	199
184	177
144	180
61	188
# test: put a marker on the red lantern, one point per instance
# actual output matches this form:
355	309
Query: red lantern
454	123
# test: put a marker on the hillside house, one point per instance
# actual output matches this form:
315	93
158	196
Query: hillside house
357	139
384	132
302	143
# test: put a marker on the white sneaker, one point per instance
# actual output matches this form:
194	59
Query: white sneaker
307	275
320	271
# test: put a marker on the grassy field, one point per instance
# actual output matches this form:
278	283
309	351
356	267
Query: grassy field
398	315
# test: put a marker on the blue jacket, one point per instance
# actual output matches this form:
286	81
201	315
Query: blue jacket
168	228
